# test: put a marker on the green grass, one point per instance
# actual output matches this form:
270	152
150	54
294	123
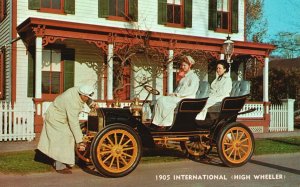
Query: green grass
21	162
24	162
277	145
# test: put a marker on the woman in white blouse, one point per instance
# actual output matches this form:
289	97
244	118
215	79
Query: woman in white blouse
187	88
220	88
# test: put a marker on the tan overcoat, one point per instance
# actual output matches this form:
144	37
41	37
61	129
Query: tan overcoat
61	127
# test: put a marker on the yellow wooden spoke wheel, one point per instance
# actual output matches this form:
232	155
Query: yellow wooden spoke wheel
235	144
192	148
84	155
116	150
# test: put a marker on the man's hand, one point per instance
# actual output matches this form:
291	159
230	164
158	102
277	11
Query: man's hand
81	146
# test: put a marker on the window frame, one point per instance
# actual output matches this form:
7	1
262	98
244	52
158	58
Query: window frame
52	10
181	24
120	18
50	96
3	12
229	26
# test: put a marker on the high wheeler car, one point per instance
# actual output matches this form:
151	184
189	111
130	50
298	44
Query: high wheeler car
115	137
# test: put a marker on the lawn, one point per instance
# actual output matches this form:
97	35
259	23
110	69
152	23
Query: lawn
26	161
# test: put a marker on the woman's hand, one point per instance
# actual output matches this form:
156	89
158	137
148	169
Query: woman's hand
81	146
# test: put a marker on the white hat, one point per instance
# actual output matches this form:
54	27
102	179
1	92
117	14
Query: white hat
189	60
86	90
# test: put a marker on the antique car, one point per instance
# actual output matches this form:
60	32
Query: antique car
116	136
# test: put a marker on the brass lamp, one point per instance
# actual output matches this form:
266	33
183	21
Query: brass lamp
228	47
136	107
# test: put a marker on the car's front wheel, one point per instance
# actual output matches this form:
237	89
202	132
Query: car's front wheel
116	150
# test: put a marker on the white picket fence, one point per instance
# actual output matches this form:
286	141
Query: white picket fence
282	116
17	121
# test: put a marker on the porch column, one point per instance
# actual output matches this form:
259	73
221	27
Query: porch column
38	67
170	73
110	63
266	80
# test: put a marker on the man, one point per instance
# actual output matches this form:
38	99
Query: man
61	128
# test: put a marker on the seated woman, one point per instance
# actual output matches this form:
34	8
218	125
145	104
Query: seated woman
220	88
187	88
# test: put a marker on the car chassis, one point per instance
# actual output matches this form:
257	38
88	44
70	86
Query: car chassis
115	137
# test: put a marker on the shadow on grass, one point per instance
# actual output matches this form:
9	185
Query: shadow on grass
42	158
288	141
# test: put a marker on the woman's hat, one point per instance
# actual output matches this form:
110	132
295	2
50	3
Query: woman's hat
86	90
189	60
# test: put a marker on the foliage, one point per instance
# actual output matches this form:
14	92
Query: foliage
256	25
288	44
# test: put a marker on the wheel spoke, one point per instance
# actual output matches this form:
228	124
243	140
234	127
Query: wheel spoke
116	138
240	156
234	155
107	158
110	141
120	143
227	143
231	147
118	163
231	153
105	152
112	161
241	136
244	140
243	150
124	161
128	148
127	155
126	142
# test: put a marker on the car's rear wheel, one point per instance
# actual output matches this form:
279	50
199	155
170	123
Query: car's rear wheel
116	150
235	144
192	148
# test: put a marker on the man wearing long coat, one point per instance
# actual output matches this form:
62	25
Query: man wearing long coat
61	128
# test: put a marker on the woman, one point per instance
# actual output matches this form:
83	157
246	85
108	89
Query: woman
187	88
220	88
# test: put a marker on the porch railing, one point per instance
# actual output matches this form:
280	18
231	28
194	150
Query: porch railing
16	121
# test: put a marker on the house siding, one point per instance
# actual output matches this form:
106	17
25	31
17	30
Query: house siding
5	37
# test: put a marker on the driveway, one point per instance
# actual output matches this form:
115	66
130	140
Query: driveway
266	170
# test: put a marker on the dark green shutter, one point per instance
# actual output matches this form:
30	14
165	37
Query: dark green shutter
70	6
68	56
235	16
103	8
133	10
212	15
34	4
162	11
31	74
188	13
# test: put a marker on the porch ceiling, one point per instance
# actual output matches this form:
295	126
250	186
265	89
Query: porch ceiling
52	30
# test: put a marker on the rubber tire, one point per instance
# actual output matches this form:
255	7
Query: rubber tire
96	141
221	136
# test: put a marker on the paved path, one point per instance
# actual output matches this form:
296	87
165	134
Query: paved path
267	170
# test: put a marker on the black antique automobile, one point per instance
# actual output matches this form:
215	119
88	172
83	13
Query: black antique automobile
116	136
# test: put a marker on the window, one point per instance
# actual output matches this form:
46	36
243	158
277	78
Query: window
174	12
51	72
2	10
2	73
177	13
53	6
122	10
223	15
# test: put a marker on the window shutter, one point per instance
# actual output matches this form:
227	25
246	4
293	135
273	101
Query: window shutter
2	60
188	13
133	10
103	8
70	6
68	56
162	11
212	19
235	16
34	4
31	75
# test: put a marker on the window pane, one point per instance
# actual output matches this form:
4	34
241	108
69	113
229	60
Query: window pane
55	83
177	14
219	19
177	2
121	7
46	59
225	20
170	13
56	4
46	4
225	5
46	82
219	5
56	58
112	7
